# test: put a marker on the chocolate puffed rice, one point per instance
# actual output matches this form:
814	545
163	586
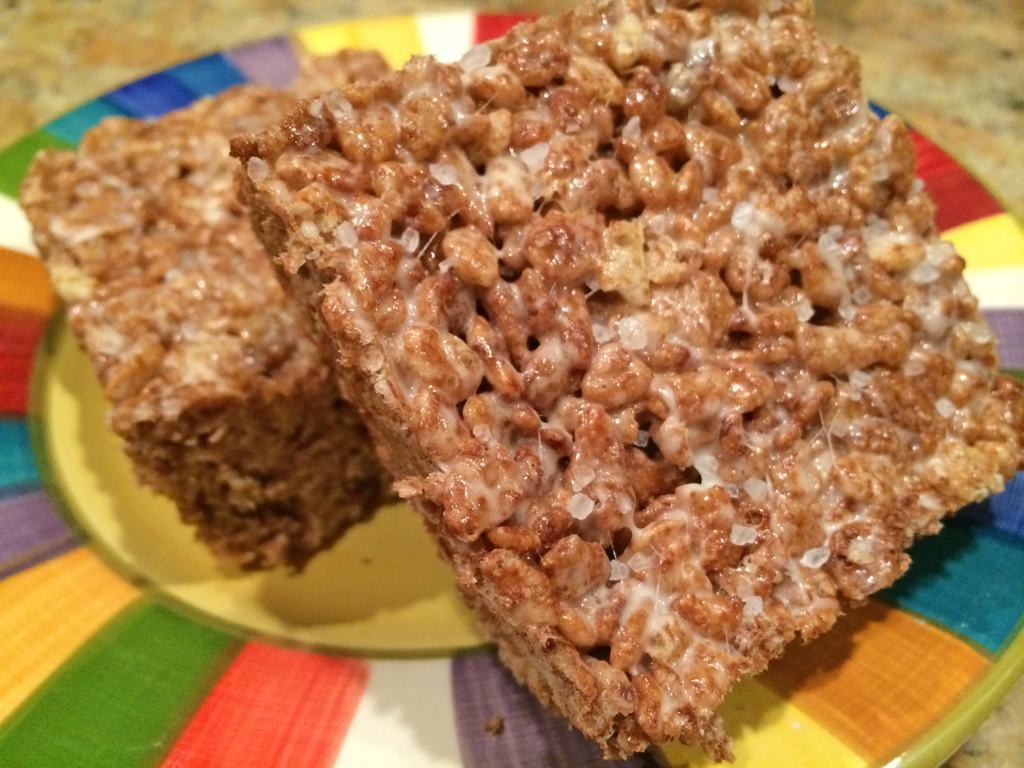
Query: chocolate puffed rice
647	311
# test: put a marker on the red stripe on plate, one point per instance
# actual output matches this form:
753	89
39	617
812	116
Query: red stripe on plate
959	196
21	330
493	25
274	707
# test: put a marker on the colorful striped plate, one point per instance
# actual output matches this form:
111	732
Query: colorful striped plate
123	644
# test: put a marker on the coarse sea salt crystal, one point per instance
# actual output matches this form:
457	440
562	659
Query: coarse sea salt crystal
752	606
581	478
741	535
618	571
742	216
346	235
443	173
257	169
631	130
861	295
804	310
979	332
482	432
309	230
533	157
339	106
602	333
913	367
756	488
787	84
315	108
475	58
924	273
580	506
632	333
815	558
860	379
409	241
642	438
847	312
945	407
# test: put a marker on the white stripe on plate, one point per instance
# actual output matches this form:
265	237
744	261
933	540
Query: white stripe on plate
15	232
1000	288
446	35
405	718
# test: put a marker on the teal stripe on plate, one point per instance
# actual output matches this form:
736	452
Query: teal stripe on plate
17	465
15	159
72	126
122	698
967	578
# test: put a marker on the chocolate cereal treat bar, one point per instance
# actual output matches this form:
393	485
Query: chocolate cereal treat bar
217	385
647	311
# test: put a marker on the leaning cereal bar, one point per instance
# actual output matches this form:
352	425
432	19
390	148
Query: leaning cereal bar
648	312
217	385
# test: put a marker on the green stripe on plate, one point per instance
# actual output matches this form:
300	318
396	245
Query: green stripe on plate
123	697
15	159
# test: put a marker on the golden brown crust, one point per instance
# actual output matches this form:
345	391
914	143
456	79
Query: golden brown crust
653	321
216	384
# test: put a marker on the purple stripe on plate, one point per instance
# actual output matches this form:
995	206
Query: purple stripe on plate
30	532
269	62
501	724
1008	325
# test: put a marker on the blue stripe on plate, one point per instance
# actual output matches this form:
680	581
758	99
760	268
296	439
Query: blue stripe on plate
72	126
151	96
1004	511
880	111
967	578
486	694
30	532
269	62
207	76
17	465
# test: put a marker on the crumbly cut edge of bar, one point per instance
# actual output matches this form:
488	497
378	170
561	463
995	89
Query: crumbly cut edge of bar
318	183
199	443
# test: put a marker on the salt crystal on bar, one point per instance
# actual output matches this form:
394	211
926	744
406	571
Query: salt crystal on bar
309	230
602	333
443	173
631	130
618	571
533	157
632	333
752	606
580	506
257	169
642	438
756	488
815	558
346	235
410	240
741	535
339	106
945	407
475	58
581	478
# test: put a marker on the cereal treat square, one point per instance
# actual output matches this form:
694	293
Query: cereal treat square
217	384
647	311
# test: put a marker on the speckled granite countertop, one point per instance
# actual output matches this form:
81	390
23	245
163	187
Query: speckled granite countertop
955	69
